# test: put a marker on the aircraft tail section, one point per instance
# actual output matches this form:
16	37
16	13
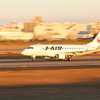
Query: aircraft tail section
96	41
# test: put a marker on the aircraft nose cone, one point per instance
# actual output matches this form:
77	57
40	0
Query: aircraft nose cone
23	52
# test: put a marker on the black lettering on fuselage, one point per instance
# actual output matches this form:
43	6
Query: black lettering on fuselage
54	48
60	48
46	48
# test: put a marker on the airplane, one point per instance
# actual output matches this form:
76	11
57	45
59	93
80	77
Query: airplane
60	51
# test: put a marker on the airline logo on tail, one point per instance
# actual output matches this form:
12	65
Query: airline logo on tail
98	39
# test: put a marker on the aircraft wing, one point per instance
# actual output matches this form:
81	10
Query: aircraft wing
71	53
76	53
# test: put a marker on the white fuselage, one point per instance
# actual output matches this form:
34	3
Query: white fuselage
51	50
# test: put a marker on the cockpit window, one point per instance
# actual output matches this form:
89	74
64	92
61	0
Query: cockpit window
30	48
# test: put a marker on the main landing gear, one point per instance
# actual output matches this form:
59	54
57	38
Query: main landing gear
69	58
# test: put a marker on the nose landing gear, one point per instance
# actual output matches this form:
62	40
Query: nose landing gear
33	58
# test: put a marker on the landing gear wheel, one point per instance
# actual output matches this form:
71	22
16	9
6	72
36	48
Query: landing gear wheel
69	59
33	60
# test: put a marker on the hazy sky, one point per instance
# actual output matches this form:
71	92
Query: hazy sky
50	10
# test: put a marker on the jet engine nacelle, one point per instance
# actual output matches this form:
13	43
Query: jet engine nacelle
60	56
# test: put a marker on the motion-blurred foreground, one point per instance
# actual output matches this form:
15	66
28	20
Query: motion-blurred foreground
57	84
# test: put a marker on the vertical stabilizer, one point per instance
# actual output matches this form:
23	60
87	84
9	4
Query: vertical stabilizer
96	41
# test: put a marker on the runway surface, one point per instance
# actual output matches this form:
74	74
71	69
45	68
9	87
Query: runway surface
41	64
